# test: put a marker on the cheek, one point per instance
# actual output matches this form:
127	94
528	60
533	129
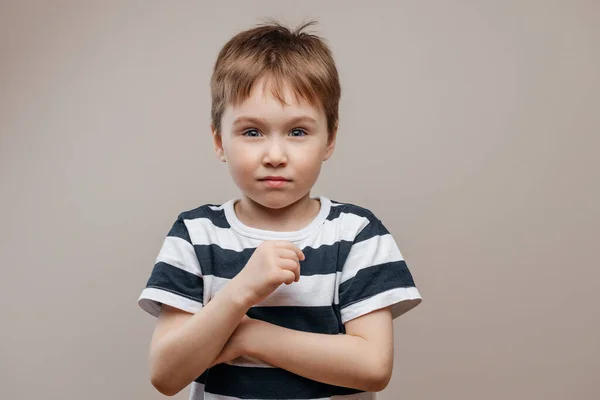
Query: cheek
242	163
309	163
239	156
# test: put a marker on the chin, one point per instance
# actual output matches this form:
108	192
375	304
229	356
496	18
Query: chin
274	199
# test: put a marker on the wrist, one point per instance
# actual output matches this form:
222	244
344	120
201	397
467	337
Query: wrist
234	297
237	296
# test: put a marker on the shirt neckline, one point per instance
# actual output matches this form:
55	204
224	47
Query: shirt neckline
246	230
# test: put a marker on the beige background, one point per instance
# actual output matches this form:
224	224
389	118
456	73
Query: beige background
470	127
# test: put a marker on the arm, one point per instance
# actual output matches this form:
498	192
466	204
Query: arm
360	359
184	344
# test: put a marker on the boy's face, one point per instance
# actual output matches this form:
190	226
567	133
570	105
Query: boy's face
261	137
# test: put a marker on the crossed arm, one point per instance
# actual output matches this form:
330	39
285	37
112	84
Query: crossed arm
361	359
184	345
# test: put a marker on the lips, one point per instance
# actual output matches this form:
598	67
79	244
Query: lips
274	178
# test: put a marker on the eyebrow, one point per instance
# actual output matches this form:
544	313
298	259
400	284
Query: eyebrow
258	121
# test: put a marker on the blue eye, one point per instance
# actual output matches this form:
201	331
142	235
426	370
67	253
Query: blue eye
299	130
250	130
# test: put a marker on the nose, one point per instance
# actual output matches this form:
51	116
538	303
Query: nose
275	154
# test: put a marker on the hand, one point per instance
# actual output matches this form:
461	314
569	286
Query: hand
273	262
236	344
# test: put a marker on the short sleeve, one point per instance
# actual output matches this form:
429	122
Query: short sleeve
375	275
176	279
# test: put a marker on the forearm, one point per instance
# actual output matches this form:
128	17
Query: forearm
341	360
185	353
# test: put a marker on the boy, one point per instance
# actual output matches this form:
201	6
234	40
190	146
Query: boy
226	323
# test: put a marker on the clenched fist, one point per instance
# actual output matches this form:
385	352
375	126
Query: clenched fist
273	262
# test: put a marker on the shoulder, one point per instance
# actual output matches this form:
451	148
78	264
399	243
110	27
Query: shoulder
201	211
354	218
213	213
198	223
352	208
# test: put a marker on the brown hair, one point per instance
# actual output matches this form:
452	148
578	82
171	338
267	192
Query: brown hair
280	55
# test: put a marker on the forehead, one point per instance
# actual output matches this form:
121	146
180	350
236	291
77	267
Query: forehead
268	99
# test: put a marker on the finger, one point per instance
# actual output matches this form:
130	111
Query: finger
296	249
292	266
288	254
289	245
288	277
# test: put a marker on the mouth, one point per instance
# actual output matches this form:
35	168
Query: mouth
275	179
275	182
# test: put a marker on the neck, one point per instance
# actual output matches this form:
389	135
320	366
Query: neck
292	217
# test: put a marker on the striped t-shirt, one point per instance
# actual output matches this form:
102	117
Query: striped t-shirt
352	266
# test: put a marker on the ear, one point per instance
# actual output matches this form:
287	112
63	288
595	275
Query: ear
331	143
218	144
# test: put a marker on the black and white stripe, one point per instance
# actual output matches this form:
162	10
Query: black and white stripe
353	266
